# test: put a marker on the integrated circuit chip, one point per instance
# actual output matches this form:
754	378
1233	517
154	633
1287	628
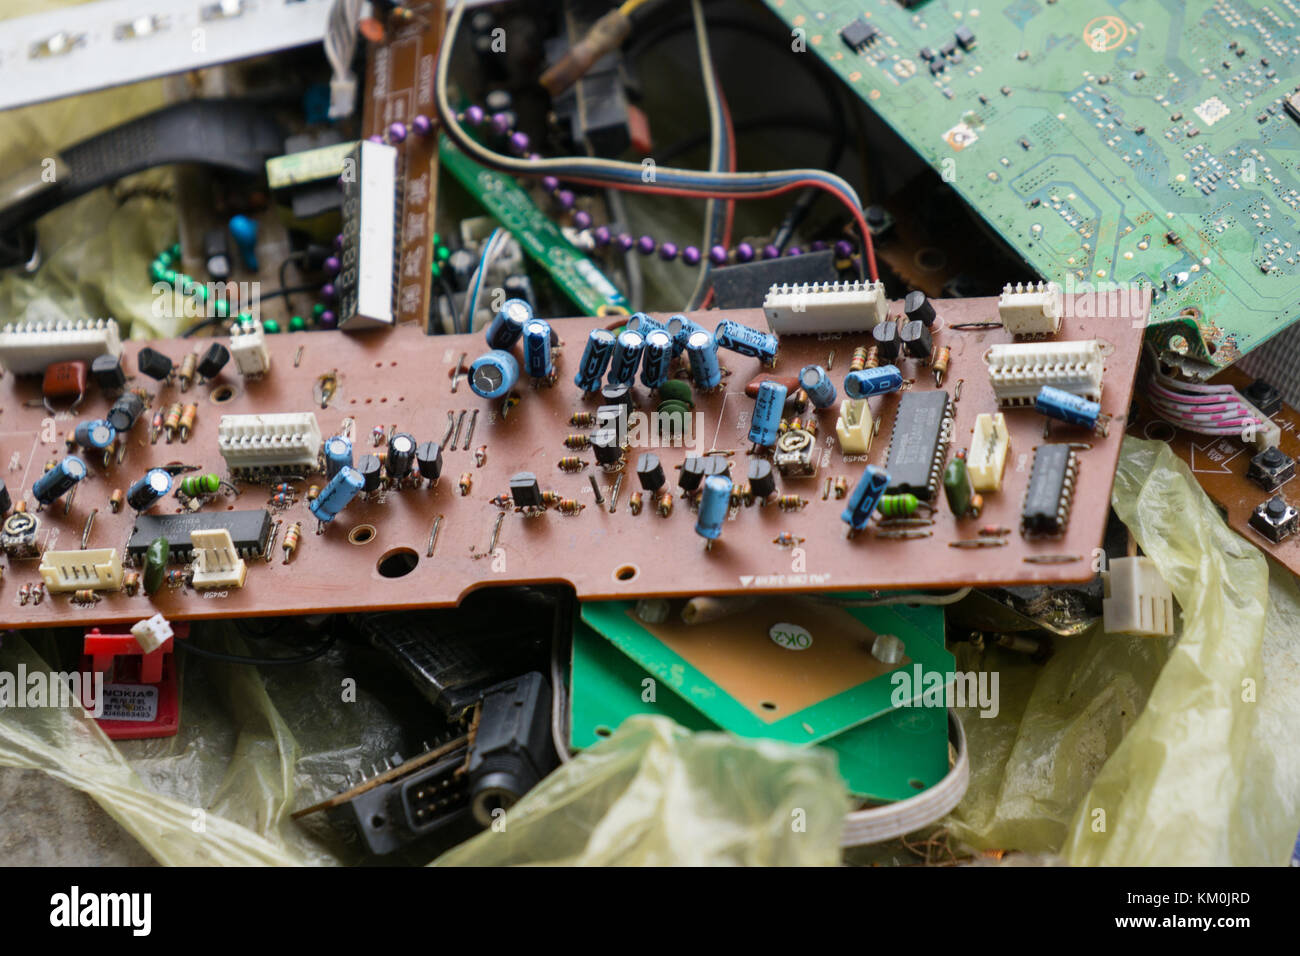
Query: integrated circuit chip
858	34
1051	489
918	443
249	531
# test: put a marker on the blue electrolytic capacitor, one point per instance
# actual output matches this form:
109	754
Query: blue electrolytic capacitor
640	322
746	341
873	381
657	358
58	481
715	502
145	492
343	487
338	455
864	497
508	324
702	349
595	359
818	385
493	374
627	356
95	435
680	328
1063	406
769	403
537	348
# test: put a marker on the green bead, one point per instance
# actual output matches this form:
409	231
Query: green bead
221	307
318	309
156	271
297	323
166	258
175	250
245	318
199	291
443	254
169	276
435	269
270	326
437	239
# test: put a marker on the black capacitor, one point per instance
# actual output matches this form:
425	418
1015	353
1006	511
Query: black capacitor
128	407
616	395
525	490
401	456
428	459
216	252
5	501
371	471
761	480
918	308
650	471
692	473
887	343
154	364
213	360
108	373
519	286
606	446
716	465
916	339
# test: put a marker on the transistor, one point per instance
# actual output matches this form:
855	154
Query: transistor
525	490
107	372
917	307
650	471
154	364
213	361
371	470
762	482
887	341
916	339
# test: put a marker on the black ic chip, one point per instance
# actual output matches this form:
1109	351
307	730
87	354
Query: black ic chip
858	35
249	531
1051	489
918	444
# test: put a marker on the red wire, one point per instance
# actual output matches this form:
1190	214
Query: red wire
731	165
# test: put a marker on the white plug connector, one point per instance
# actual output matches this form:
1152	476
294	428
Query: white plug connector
1136	599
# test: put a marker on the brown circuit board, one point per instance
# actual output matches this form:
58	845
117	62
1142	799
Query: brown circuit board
399	87
1220	466
428	546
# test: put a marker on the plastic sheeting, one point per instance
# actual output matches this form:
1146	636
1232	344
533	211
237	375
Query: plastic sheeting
1134	751
654	794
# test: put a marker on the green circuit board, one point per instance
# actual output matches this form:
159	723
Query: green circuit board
1145	141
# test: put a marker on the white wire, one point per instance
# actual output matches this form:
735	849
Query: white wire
491	249
340	43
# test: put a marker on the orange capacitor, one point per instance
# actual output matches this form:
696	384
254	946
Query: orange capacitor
65	380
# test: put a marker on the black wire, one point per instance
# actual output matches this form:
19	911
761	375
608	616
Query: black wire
290	290
311	655
205	324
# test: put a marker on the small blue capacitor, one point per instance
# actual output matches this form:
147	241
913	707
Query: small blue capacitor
627	356
769	403
58	481
1066	407
493	374
657	358
702	349
508	324
94	435
715	502
537	348
145	492
680	328
746	341
873	381
640	322
864	497
595	359
338	455
821	390
343	487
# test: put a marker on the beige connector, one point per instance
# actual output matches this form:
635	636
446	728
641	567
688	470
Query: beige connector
216	563
990	444
98	569
1136	599
854	427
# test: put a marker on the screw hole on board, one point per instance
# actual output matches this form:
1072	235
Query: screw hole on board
362	534
767	705
397	563
222	394
603	731
626	573
916	784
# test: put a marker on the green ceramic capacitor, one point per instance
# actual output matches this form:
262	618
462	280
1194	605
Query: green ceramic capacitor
677	390
958	489
155	565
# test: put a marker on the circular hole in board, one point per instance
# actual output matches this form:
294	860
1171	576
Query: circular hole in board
930	259
362	534
378	822
916	784
222	394
626	572
397	563
767	705
603	731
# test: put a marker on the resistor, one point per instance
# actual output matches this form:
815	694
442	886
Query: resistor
790	502
49	466
188	414
281	499
572	463
313	492
568	506
291	539
131	583
155	428
175	578
634	503
898	506
501	501
173	420
582	419
466	483
378	436
859	360
577	442
84	596
24	593
70	440
742	495
38	593
550	499
282	488
480	456
810	426
787	539
664	504
115	500
940	364
186	374
841	486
